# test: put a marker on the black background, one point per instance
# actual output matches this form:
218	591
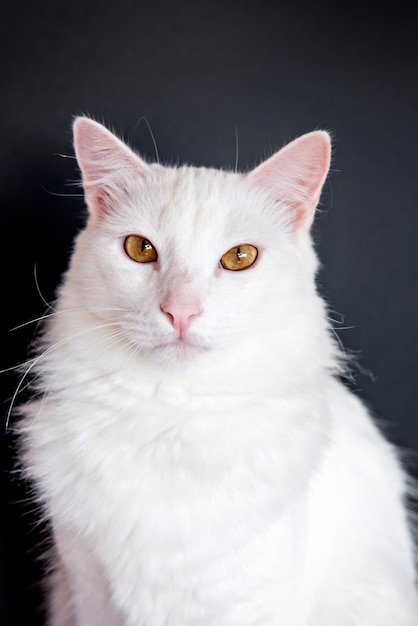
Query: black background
202	73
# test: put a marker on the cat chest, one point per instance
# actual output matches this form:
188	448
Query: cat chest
255	580
168	497
161	469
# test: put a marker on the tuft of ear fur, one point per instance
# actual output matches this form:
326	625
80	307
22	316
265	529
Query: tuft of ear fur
106	163
294	176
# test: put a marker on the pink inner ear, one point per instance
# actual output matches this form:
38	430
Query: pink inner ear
294	176
106	163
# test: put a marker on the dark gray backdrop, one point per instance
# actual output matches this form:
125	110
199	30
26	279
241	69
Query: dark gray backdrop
200	73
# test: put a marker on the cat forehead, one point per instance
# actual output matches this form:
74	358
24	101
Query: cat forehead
197	195
186	182
193	207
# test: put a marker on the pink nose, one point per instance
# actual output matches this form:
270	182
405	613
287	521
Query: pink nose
181	315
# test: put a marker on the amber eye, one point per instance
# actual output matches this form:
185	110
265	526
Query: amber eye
140	249
239	257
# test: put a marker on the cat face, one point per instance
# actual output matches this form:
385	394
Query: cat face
189	262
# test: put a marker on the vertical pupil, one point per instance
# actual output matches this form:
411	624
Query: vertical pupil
144	245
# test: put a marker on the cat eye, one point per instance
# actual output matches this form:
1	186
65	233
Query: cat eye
239	257
140	249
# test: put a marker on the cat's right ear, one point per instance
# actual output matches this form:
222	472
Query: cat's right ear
106	164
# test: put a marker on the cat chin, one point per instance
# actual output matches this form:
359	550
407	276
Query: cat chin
179	353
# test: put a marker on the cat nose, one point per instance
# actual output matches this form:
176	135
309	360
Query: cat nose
181	314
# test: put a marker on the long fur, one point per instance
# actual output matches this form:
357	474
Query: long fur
223	476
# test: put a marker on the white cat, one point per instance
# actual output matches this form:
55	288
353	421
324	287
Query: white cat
199	461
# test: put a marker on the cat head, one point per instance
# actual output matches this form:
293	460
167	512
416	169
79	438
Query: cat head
194	262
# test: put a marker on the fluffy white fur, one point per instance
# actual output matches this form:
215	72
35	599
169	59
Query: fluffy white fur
221	476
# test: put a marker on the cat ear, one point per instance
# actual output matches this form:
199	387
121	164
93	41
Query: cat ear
294	176
106	163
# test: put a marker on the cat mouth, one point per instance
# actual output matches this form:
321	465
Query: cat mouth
182	346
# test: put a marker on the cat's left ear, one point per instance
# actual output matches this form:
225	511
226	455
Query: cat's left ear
294	176
106	163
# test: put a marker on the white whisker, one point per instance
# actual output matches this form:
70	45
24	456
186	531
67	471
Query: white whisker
65	156
62	195
66	311
236	150
144	119
43	355
38	289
